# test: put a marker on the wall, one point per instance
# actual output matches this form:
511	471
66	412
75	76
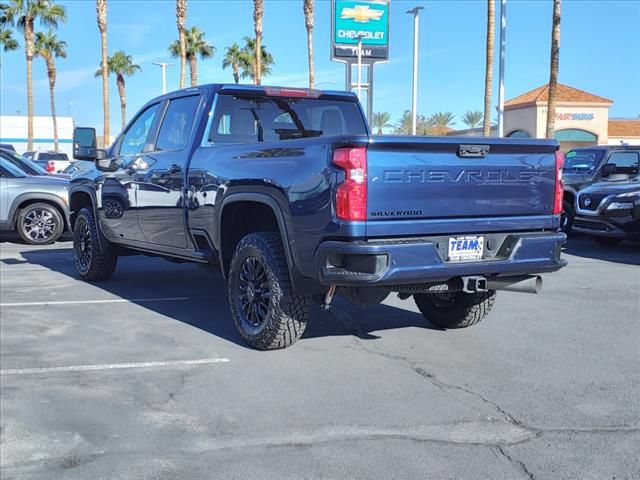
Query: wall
521	119
13	130
597	124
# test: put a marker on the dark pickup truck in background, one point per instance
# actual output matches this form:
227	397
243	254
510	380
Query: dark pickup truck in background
585	166
290	194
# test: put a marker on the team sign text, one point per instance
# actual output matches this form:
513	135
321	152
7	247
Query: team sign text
574	116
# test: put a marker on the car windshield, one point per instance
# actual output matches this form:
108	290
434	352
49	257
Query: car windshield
582	160
28	155
11	168
23	163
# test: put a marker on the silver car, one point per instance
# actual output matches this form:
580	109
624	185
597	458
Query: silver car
35	206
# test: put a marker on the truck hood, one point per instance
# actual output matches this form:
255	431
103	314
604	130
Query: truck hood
44	181
613	187
576	178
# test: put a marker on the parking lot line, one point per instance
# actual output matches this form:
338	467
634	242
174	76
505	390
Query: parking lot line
78	302
113	366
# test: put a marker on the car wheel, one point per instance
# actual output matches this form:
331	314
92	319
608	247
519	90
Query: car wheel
40	224
566	219
455	309
266	310
92	262
606	241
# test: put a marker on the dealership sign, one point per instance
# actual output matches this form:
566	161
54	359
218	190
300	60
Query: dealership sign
367	19
574	116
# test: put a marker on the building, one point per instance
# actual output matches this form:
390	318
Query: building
13	130
582	119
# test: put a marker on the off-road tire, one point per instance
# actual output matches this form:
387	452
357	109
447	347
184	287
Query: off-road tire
287	312
607	241
101	261
566	220
54	221
460	310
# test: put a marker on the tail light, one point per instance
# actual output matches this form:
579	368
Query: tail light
51	167
351	195
559	191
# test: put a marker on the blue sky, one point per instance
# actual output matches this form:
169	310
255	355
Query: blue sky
600	53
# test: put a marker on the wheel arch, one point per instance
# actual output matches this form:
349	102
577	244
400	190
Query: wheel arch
25	199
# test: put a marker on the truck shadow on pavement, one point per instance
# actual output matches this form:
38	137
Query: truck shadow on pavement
200	297
583	246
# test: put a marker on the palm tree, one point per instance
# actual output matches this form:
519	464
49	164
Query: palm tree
381	120
121	65
404	125
24	13
196	46
49	47
442	119
235	57
181	19
7	42
308	21
248	63
101	15
553	74
488	73
472	118
258	14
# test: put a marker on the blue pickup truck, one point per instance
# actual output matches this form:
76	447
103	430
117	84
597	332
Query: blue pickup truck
287	191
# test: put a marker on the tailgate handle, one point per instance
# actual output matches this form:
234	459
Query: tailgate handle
473	150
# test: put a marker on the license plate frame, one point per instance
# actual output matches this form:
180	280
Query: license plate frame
465	248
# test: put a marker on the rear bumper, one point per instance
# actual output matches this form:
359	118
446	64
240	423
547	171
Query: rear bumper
421	260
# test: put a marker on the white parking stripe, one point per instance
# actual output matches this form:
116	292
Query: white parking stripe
79	302
113	366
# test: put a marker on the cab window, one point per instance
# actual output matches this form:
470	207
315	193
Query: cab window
137	136
627	163
177	123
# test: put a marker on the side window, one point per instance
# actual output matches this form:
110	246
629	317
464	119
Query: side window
177	123
626	162
137	135
234	121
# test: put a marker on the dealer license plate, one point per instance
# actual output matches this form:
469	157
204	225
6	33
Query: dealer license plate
466	249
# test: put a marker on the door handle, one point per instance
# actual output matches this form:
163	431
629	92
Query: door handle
175	168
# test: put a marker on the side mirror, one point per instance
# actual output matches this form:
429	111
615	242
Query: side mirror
84	143
609	169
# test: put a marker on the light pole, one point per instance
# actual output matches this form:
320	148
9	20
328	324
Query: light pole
164	66
359	87
414	101
503	40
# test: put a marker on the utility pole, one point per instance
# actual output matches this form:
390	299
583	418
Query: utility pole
163	66
414	97
503	40
359	84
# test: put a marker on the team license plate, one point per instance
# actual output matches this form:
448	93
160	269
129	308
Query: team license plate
465	249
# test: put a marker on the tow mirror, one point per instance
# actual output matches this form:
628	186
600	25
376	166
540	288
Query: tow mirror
84	143
609	169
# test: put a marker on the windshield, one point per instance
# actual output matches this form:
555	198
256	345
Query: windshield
582	160
24	164
11	168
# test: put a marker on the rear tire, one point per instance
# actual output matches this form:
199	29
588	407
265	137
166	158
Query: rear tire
566	219
39	224
93	263
455	310
266	310
607	241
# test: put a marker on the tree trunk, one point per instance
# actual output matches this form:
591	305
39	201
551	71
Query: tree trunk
181	18
258	13
123	100
51	73
28	48
101	6
488	76
308	17
193	68
236	73
553	74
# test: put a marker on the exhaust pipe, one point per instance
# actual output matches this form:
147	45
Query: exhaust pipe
523	283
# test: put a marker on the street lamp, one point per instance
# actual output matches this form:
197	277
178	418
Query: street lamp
414	100
164	66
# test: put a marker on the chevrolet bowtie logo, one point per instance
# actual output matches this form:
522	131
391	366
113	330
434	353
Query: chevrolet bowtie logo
361	14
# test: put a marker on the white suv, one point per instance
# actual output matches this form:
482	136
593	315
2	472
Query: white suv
52	162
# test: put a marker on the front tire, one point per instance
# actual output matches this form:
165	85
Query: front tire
266	310
607	241
455	310
93	263
39	224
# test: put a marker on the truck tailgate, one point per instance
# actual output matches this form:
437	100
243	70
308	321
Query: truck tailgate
411	178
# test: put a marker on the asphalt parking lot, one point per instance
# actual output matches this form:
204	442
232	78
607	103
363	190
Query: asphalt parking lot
145	377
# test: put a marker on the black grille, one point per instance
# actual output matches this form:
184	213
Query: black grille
588	201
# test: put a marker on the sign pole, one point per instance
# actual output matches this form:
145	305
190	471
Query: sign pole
503	40
414	97
359	87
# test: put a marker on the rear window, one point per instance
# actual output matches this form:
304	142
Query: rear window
52	156
582	160
254	119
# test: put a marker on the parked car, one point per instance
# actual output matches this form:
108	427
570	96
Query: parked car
7	146
288	191
609	211
26	165
583	167
52	162
34	206
79	167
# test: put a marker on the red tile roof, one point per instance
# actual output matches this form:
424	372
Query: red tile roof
564	94
624	128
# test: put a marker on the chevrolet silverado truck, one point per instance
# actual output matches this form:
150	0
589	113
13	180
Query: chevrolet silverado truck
287	191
